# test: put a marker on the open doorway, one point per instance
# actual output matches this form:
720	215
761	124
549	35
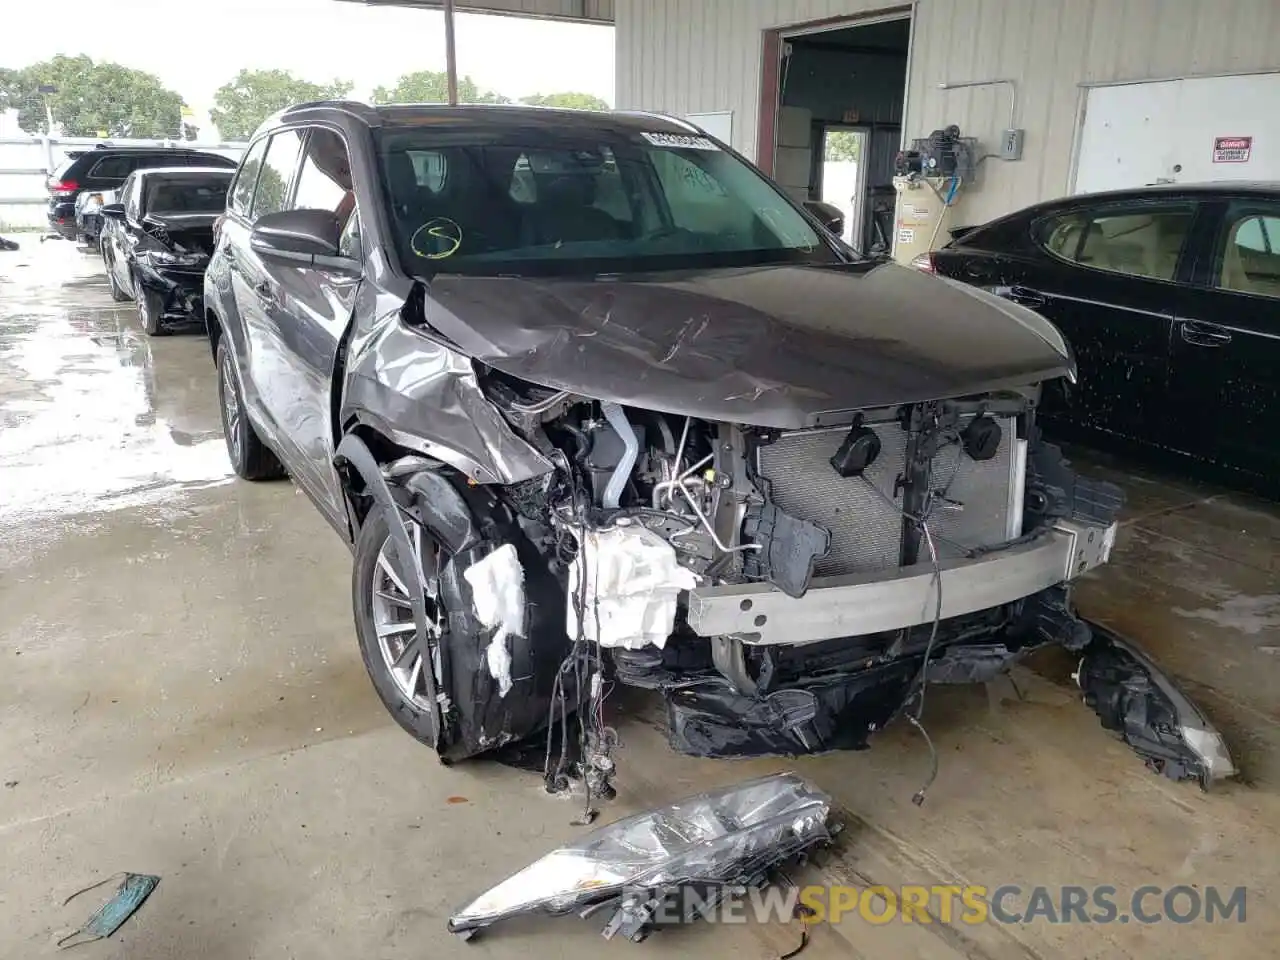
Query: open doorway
831	121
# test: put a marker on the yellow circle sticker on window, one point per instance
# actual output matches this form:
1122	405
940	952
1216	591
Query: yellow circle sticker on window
436	239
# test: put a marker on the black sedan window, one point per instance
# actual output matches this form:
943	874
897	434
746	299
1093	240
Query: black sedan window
1138	241
170	195
1250	261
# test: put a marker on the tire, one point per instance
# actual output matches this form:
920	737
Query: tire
251	459
366	576
150	310
118	295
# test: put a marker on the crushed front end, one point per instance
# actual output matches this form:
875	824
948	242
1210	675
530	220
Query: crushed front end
794	591
170	258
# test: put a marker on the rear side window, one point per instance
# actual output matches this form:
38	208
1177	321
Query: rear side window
1141	241
277	173
114	168
241	195
1249	261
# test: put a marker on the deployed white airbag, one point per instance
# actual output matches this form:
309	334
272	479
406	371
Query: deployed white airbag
497	590
632	582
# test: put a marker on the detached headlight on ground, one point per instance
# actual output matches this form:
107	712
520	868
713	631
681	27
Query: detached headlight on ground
727	836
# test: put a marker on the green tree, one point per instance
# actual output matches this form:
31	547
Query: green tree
568	100
8	88
843	145
432	86
92	98
244	102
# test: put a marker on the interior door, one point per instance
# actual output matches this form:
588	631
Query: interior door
1105	275
1225	364
842	176
306	312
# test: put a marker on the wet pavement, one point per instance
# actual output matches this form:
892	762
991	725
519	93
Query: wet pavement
181	694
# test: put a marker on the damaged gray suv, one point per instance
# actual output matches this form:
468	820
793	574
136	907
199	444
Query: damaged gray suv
595	403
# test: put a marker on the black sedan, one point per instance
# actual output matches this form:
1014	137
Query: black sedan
1170	296
158	238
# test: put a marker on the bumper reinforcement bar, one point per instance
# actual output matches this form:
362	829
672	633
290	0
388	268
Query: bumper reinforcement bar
860	604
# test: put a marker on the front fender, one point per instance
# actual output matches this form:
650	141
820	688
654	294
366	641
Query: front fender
425	396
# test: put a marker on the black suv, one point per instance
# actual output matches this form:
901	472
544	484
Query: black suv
105	169
595	403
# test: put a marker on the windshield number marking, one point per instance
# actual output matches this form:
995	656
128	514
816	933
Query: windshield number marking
679	141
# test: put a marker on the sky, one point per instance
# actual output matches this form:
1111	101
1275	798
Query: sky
194	51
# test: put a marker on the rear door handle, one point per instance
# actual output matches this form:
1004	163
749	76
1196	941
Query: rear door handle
1024	296
1203	334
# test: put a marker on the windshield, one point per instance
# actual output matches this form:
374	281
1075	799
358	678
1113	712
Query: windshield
173	195
540	202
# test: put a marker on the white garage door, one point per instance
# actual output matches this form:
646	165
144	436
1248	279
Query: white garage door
1183	131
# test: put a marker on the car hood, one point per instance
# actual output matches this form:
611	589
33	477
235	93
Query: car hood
775	346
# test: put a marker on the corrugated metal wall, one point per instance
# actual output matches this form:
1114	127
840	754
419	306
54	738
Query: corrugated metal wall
684	56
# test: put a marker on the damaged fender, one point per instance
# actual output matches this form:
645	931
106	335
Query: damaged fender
423	394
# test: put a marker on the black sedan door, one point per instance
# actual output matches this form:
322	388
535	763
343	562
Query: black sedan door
1105	275
1225	365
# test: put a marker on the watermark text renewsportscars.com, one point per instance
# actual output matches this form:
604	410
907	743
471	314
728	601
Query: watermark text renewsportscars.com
944	903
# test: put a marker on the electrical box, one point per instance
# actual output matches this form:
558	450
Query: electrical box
921	215
1011	145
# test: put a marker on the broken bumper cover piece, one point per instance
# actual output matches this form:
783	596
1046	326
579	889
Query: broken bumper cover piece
861	604
180	286
730	836
1136	700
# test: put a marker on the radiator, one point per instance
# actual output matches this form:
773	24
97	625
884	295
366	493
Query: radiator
977	503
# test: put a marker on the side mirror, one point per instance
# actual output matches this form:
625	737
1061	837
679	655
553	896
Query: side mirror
112	211
303	238
831	217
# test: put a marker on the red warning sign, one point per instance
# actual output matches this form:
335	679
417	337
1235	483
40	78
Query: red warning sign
1232	149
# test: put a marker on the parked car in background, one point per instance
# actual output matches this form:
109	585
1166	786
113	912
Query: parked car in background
105	168
159	238
594	402
1170	297
89	206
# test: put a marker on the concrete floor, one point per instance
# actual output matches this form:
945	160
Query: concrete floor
181	694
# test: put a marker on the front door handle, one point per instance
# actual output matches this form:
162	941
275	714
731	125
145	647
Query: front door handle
265	292
1203	334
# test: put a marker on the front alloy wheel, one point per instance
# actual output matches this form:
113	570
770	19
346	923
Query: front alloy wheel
113	285
396	659
150	310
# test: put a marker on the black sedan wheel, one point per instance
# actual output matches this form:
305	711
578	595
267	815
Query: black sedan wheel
250	458
150	310
389	644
